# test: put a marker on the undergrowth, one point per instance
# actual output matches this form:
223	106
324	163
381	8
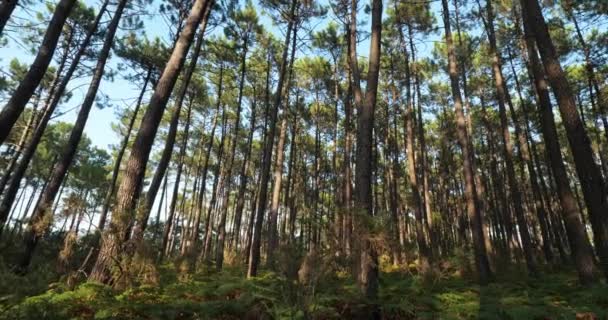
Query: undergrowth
228	295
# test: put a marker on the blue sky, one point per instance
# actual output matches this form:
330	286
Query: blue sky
121	93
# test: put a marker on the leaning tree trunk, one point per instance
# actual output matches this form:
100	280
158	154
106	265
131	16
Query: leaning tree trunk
507	145
577	235
6	9
203	184
130	186
590	176
273	236
254	261
165	158
138	233
121	153
472	203
219	256
30	149
61	167
21	96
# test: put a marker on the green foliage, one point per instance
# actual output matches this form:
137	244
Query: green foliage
228	295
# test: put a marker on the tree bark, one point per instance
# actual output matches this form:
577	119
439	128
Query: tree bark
6	9
21	96
472	203
254	261
60	169
590	176
121	153
130	186
582	252
368	259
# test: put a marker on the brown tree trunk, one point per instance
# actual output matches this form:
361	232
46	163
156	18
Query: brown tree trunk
21	96
525	159
579	243
121	153
60	169
168	149
472	203
368	259
590	177
203	184
507	145
51	103
254	261
6	9
218	180
273	236
219	258
140	227
130	186
244	177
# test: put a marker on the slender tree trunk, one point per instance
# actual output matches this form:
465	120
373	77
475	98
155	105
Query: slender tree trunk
52	102
130	186
203	184
507	145
254	261
590	177
165	158
472	203
121	153
526	160
218	180
60	169
219	259
591	74
160	206
21	96
368	259
31	124
244	177
273	236
138	233
582	252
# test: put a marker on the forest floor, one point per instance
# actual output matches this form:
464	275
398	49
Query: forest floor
333	295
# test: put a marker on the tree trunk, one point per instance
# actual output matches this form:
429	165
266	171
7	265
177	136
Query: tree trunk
526	159
165	158
60	169
273	236
52	102
6	9
21	96
244	177
203	184
121	153
472	203
130	186
140	227
217	180
219	258
507	145
590	177
254	261
368	259
582	252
